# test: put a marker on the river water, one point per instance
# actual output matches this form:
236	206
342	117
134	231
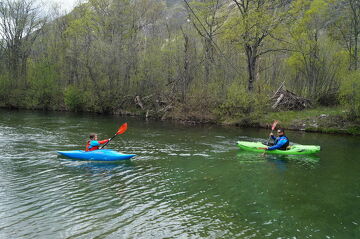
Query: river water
186	182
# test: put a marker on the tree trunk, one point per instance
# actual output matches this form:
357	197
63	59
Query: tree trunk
187	75
209	58
354	5
251	52
356	57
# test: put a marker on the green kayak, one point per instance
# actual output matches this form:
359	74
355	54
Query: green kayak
293	149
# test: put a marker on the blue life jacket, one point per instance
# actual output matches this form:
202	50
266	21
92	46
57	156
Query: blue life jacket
281	143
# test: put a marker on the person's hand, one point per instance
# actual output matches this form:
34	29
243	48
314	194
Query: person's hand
271	134
263	148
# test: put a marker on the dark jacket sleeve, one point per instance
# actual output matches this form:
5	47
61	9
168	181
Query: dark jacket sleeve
281	142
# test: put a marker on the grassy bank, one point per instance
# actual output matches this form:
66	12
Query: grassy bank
322	119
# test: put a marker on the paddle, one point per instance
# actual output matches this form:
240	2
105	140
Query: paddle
272	129
121	130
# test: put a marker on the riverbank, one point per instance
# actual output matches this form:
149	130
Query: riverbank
322	120
331	120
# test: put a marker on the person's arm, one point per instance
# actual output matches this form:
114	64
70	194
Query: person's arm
272	136
279	144
103	141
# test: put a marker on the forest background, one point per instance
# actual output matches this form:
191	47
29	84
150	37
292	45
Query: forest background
196	61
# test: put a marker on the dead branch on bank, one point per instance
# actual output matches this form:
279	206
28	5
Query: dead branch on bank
152	106
284	99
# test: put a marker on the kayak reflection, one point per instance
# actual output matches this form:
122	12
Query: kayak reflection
99	167
280	161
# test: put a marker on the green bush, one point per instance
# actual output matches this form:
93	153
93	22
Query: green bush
43	90
350	93
238	102
10	96
74	98
4	88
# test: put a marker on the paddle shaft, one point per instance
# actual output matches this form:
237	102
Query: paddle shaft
108	141
272	129
269	139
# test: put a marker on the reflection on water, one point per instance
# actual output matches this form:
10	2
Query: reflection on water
99	167
304	160
281	161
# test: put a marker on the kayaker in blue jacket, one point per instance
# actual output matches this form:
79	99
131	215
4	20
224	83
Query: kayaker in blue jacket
93	143
281	142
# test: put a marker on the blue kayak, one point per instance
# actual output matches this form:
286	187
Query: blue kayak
96	155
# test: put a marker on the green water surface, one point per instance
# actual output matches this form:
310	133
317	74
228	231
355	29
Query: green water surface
186	182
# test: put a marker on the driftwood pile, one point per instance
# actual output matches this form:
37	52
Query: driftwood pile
284	99
152	106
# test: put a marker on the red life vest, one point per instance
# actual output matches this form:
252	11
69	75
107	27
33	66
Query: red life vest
87	146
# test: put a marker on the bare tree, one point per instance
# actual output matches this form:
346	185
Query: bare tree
258	21
207	19
21	22
346	19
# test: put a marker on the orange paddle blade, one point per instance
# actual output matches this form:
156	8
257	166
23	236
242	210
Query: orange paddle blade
122	129
274	124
